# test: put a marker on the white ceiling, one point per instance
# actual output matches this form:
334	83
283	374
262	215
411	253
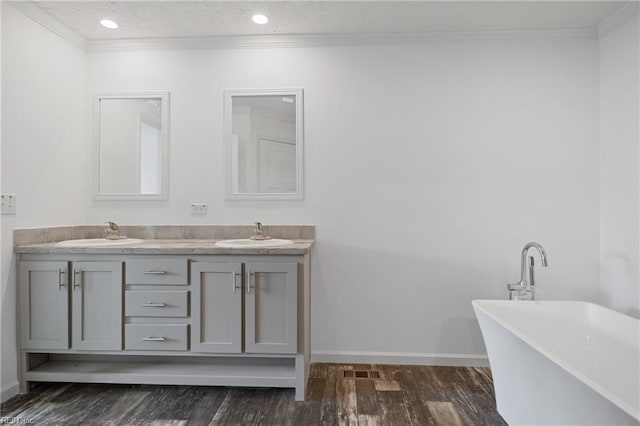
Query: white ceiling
180	19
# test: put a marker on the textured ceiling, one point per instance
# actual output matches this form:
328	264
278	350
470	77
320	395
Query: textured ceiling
179	19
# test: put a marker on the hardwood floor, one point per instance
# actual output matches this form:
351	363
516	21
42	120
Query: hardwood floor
402	395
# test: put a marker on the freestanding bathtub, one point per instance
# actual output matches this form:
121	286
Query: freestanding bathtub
562	363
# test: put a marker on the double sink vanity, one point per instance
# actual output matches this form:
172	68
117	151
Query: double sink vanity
181	305
178	305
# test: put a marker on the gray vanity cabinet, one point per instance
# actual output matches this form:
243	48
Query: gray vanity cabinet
44	307
186	313
270	315
217	307
93	291
96	314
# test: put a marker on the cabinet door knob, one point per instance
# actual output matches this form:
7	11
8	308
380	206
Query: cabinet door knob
154	339
154	272
154	305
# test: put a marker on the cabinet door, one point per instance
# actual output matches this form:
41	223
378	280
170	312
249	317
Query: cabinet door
96	316
271	314
216	306
44	305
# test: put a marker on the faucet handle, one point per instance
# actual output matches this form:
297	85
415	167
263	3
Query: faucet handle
521	291
258	232
532	278
516	286
112	232
112	225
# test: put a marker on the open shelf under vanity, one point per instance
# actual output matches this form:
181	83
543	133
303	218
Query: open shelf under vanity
142	369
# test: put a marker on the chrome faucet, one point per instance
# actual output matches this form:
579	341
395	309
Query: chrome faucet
258	233
112	232
523	289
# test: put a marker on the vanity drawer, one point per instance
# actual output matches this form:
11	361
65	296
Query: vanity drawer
161	303
158	270
156	337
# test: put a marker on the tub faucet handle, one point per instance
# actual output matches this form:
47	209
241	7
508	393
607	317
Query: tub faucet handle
531	274
521	291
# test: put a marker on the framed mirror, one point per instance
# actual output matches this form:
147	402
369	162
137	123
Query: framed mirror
263	139
131	146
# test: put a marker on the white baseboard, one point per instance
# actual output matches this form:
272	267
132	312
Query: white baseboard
9	391
400	358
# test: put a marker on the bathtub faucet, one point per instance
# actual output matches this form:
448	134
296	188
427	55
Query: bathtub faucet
523	288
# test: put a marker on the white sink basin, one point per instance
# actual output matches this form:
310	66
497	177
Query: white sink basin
98	242
248	243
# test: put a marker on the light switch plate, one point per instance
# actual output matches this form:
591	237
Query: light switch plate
199	209
8	203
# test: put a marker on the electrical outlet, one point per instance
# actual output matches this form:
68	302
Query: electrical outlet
199	209
8	203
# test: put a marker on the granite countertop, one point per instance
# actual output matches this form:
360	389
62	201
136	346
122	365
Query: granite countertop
168	246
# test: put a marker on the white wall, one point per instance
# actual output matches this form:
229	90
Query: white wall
43	143
428	167
619	167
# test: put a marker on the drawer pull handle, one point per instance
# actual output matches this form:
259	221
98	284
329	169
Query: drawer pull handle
154	305
154	272
153	339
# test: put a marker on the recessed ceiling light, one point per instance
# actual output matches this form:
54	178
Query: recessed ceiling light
260	19
108	23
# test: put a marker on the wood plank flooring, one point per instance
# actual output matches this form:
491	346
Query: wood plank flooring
403	395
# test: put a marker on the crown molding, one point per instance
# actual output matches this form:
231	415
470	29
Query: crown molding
43	18
329	40
280	41
619	17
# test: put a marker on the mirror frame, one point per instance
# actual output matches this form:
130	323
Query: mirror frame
164	138
228	113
